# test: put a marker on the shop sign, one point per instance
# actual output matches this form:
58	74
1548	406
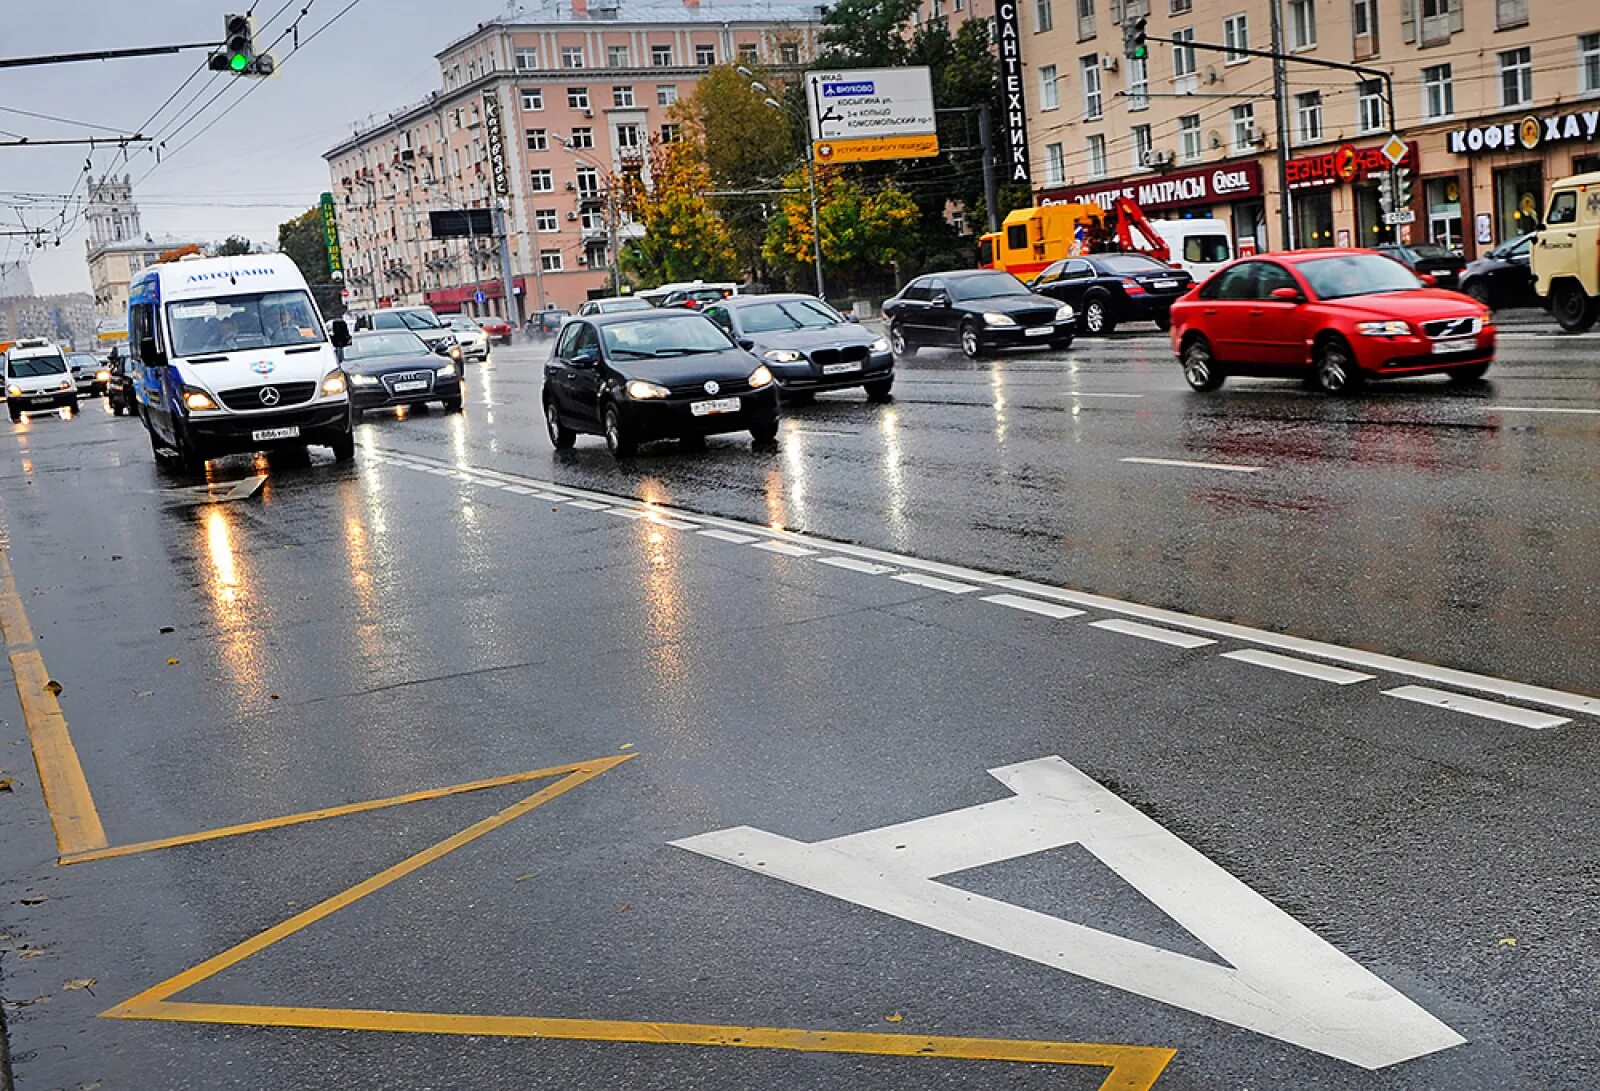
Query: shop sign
1528	134
1008	34
497	148
1345	164
1156	193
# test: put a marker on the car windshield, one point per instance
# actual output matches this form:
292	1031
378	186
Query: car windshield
408	320
987	286
367	345
1205	248
620	306
83	359
1356	274
791	314
461	322
231	323
34	366
689	335
1131	263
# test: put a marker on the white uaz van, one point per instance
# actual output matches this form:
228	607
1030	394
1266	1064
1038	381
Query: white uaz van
37	379
229	355
1199	246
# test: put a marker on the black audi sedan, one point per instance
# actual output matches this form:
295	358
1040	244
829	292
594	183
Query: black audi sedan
975	310
387	368
641	376
1109	289
807	345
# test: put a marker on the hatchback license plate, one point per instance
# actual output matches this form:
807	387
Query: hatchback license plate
1037	331
718	405
1454	345
409	385
840	369
262	434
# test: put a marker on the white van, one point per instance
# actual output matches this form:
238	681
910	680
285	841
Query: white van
230	355
1199	247
37	379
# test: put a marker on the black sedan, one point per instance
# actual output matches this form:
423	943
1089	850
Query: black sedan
387	368
1502	277
88	374
975	310
635	377
119	387
807	345
1443	265
1109	289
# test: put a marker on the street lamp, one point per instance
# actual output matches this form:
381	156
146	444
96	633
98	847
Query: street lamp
811	175
612	240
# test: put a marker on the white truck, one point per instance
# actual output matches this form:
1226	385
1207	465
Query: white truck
1566	253
1198	246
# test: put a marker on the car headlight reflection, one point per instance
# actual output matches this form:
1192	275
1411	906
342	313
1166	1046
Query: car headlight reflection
642	391
1064	313
198	401
363	380
102	376
782	356
13	391
880	345
760	377
446	370
995	318
333	385
1384	329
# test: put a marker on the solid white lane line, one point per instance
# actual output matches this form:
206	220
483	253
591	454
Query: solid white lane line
1034	606
934	583
784	548
1225	467
728	536
856	566
1540	409
1150	632
1477	706
588	505
1306	669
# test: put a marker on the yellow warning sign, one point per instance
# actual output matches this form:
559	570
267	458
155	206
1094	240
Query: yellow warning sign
866	149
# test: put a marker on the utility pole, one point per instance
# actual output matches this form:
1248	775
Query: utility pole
507	279
816	227
1280	93
991	189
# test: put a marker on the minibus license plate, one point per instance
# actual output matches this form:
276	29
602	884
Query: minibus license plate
263	434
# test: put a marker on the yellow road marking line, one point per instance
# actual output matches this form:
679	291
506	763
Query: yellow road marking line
319	814
66	792
1133	1068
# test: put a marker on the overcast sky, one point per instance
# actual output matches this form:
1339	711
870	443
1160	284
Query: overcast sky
265	154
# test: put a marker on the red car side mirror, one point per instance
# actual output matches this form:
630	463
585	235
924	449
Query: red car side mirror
1428	280
1288	295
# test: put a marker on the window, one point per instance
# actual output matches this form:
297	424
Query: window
1183	60
661	56
1516	77
1180	7
1302	24
1085	19
622	97
1055	165
666	94
1049	96
1589	64
617	56
527	59
1510	13
1243	120
630	137
1308	117
550	262
581	138
1189	132
588	181
1043	20
1363	18
578	98
1235	35
705	54
1438	94
593	220
1097	157
543	181
670	133
938	10
1563	209
1369	106
789	52
571	56
747	53
1093	106
546	219
1139	83
538	140
1143	146
533	99
1439	20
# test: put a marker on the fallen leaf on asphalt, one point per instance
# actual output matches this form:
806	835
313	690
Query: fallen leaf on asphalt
32	952
168	629
84	983
172	662
626	906
523	878
145	693
54	687
5	784
35	899
895	1018
272	696
1508	941
626	746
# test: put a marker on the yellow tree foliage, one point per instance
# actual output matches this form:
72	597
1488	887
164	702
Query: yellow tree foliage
684	238
864	229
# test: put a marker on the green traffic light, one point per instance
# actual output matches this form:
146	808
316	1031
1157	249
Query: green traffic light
1140	52
239	62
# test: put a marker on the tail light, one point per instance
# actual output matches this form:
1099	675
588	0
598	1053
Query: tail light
1132	287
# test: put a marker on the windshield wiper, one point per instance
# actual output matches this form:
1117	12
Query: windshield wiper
632	354
679	352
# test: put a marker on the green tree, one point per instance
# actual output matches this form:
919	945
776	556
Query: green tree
865	34
303	240
867	230
684	238
232	246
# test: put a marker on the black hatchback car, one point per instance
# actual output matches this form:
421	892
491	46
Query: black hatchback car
807	345
641	376
1443	265
1503	277
1109	289
975	310
386	368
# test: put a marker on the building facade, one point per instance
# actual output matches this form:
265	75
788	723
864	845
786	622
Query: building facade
117	247
1491	102
577	91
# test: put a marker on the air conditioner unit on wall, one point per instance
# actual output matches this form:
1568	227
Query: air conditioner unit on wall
1158	157
1254	136
572	215
1109	62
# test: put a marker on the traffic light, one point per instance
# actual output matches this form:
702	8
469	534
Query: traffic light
1133	39
1402	187
1386	192
238	53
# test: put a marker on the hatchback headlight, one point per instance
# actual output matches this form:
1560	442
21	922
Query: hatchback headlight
198	401
1064	313
1384	329
446	370
995	318
782	356
643	391
66	384
760	377
880	345
333	385
363	380
13	391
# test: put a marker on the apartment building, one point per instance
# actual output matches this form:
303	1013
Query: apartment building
1493	99
577	90
118	248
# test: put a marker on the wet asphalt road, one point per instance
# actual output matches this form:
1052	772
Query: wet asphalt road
420	620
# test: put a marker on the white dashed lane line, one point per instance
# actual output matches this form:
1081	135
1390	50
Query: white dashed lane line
1225	467
1477	706
727	536
1539	409
1034	606
589	505
1150	632
784	548
934	583
854	565
1306	669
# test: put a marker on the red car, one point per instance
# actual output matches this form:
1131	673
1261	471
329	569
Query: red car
497	328
1336	318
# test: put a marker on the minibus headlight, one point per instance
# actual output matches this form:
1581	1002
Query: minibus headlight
333	385
198	401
